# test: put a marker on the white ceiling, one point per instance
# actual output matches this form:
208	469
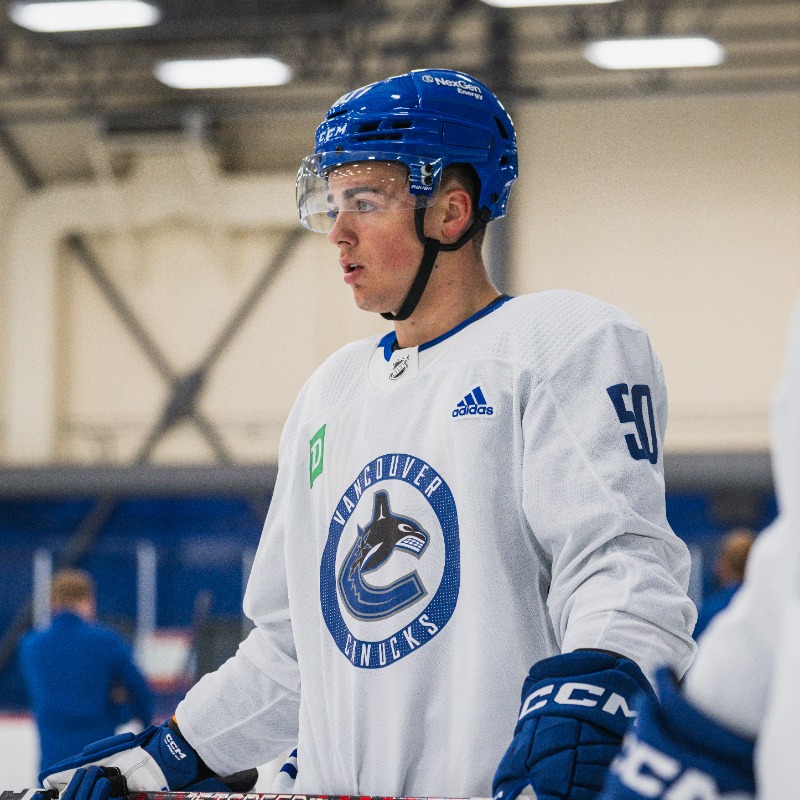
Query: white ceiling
66	99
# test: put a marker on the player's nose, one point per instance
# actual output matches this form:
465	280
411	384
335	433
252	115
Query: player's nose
342	231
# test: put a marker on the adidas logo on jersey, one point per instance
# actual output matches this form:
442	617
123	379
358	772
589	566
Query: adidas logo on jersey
472	404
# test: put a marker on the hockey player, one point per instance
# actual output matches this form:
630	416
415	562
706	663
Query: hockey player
478	491
741	694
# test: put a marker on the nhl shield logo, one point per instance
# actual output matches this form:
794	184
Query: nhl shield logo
399	367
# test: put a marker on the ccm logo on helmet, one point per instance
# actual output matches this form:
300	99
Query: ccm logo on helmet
330	133
576	694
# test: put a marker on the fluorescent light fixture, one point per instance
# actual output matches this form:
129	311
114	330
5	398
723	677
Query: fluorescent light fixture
223	73
529	3
84	15
654	52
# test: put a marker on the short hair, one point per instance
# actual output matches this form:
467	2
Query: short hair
70	587
735	550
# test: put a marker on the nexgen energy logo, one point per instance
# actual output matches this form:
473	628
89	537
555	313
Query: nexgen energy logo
460	85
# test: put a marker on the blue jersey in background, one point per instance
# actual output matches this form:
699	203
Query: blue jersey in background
82	683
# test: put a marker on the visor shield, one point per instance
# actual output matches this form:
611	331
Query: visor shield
374	183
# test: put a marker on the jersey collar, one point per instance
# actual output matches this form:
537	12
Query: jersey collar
389	342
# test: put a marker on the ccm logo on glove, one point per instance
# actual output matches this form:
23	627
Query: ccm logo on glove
172	746
576	694
649	772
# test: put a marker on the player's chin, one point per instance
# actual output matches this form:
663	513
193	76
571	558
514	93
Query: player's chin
366	302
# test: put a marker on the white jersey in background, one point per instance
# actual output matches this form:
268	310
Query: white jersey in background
445	516
747	667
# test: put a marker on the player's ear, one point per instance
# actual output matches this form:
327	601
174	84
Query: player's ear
455	213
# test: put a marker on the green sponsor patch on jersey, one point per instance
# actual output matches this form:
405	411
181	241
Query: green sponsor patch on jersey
316	454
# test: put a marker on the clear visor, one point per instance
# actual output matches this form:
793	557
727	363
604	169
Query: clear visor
380	183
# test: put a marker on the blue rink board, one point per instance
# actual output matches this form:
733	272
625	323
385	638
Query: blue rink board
200	544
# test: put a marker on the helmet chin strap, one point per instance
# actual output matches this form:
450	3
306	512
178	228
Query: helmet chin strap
432	248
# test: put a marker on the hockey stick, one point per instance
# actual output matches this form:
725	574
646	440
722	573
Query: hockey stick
28	794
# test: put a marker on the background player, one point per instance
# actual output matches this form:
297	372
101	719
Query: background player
477	491
81	678
742	689
729	572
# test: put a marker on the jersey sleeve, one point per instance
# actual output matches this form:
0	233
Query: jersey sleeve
593	496
745	673
738	648
246	713
779	735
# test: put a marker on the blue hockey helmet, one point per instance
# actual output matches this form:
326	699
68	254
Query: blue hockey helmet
426	119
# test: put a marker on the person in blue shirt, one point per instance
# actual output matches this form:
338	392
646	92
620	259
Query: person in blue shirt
729	570
81	678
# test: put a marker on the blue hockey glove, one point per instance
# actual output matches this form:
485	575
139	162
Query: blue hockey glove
157	759
575	710
95	783
674	750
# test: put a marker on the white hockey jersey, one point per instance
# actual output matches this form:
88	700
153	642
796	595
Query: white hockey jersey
444	517
748	662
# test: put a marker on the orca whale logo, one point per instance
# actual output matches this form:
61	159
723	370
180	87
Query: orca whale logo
375	543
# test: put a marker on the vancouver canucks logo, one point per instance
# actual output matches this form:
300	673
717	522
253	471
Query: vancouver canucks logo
390	571
374	545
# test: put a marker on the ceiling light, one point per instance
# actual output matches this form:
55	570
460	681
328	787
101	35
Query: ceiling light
654	52
83	15
223	73
529	3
